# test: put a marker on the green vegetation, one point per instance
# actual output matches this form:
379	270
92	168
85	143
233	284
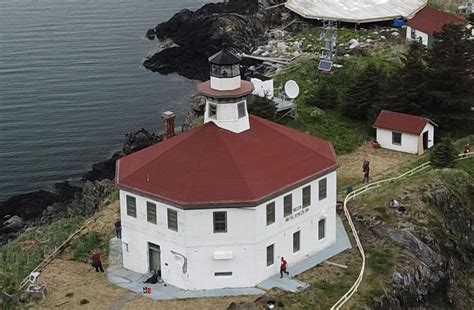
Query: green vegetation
262	107
83	246
19	257
443	154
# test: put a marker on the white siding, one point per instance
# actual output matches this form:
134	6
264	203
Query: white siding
227	116
225	83
241	250
409	142
418	35
430	128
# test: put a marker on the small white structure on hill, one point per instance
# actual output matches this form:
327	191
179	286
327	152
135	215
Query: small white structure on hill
428	21
404	132
263	86
219	205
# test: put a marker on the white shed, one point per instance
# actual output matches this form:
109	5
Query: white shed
428	21
404	132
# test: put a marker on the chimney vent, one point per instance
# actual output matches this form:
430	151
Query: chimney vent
168	119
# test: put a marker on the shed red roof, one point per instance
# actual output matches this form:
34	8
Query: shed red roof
430	20
209	166
401	122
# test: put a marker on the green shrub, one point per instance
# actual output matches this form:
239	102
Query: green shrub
262	107
84	301
83	246
443	154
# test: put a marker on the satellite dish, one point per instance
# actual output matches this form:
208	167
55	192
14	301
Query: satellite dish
292	89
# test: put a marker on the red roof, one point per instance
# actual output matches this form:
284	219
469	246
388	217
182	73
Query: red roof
430	20
210	166
401	122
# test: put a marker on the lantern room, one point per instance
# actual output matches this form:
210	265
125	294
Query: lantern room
225	71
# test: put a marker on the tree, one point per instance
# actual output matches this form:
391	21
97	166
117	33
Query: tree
364	97
443	154
450	64
325	97
262	107
407	92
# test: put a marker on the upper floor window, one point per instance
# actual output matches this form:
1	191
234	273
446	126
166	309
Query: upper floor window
241	108
131	206
172	219
323	188
212	110
396	138
220	222
270	213
151	212
307	196
287	205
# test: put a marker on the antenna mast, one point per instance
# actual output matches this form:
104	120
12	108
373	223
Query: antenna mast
329	48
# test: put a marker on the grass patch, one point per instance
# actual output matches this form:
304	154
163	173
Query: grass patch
19	257
83	246
344	133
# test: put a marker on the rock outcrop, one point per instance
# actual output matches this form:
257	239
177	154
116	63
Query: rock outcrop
434	262
198	35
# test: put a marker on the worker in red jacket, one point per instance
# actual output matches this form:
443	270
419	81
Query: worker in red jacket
467	149
96	261
283	266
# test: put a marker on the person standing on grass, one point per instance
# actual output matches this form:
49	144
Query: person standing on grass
118	229
96	261
467	149
366	170
283	267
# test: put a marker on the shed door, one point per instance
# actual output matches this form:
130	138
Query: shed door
154	254
425	140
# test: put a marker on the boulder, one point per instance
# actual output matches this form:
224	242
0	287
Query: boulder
13	224
282	46
29	205
395	34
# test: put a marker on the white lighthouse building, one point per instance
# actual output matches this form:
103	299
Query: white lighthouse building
218	206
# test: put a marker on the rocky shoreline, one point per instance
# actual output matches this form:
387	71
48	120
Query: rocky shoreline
194	36
41	207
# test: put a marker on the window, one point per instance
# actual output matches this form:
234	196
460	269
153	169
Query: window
270	213
223	274
270	255
323	188
396	138
220	222
131	206
241	108
151	212
296	241
321	229
212	110
287	205
173	219
307	196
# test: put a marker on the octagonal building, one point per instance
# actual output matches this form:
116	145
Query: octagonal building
219	205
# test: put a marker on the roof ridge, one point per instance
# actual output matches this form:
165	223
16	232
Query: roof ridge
249	188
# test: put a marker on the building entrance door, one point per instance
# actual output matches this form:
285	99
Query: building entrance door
425	140
154	254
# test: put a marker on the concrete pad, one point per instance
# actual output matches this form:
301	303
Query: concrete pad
293	285
134	281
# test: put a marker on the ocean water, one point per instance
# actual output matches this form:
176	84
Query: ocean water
72	84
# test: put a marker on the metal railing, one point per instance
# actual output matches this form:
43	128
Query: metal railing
364	189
